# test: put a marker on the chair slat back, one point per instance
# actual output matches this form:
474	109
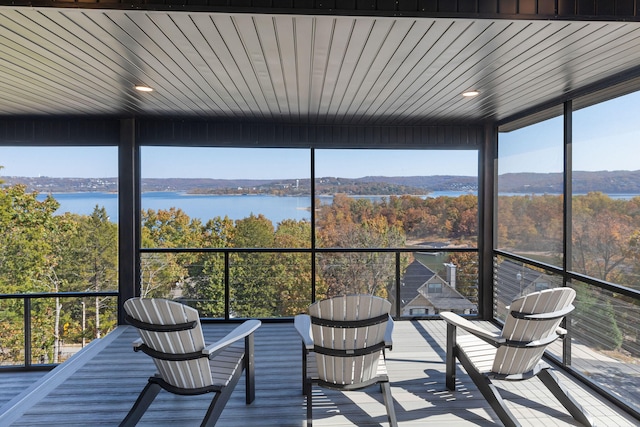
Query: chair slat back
184	374
514	360
343	370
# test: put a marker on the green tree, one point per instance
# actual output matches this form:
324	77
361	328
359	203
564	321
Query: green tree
27	257
594	320
165	274
293	270
253	282
88	247
204	288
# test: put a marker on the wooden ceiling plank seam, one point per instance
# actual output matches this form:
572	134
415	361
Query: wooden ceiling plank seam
140	50
304	34
88	52
250	40
40	86
557	85
321	47
536	66
41	58
161	44
63	24
17	92
147	65
412	48
285	38
123	78
444	64
582	40
383	63
503	42
530	39
222	84
415	67
369	67
447	33
516	73
360	30
231	32
193	64
188	61
337	66
268	41
41	46
224	60
465	69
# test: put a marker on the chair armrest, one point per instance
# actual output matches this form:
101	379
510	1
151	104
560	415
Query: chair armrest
137	343
459	321
302	323
388	339
242	331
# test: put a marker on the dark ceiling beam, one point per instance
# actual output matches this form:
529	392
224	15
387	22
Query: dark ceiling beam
247	134
606	10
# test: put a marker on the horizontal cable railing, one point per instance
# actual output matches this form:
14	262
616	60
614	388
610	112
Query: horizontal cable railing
27	299
392	261
603	344
315	254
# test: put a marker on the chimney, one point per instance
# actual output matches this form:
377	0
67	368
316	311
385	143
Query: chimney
451	274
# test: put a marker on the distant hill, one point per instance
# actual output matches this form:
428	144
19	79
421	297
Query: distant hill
614	182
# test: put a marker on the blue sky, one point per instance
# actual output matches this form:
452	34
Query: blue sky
601	134
169	162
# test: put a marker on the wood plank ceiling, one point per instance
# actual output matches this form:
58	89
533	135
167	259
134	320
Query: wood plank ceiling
297	68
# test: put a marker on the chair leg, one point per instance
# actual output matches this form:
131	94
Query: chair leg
490	393
309	391
388	402
551	381
450	362
305	354
138	409
220	400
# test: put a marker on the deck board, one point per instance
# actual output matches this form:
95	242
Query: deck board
101	391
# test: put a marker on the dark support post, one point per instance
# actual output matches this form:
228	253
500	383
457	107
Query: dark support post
27	332
398	279
312	171
128	216
450	377
250	386
567	209
487	206
227	289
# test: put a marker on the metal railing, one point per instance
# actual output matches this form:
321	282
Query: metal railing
226	252
27	316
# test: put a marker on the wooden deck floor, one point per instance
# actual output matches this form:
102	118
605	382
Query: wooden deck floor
98	387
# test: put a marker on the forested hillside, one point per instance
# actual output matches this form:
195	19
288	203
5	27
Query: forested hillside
615	182
43	252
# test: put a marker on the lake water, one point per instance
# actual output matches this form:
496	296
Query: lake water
209	206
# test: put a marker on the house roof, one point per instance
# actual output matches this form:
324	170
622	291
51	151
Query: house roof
415	288
416	275
402	66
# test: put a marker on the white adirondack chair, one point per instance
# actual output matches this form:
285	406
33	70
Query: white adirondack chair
171	334
516	353
346	336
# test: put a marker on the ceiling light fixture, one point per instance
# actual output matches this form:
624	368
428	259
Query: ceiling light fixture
470	93
143	88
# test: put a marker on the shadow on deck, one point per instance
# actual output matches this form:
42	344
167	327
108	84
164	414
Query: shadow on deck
99	385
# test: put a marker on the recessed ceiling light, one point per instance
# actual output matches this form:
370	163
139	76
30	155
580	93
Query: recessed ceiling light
143	88
471	93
